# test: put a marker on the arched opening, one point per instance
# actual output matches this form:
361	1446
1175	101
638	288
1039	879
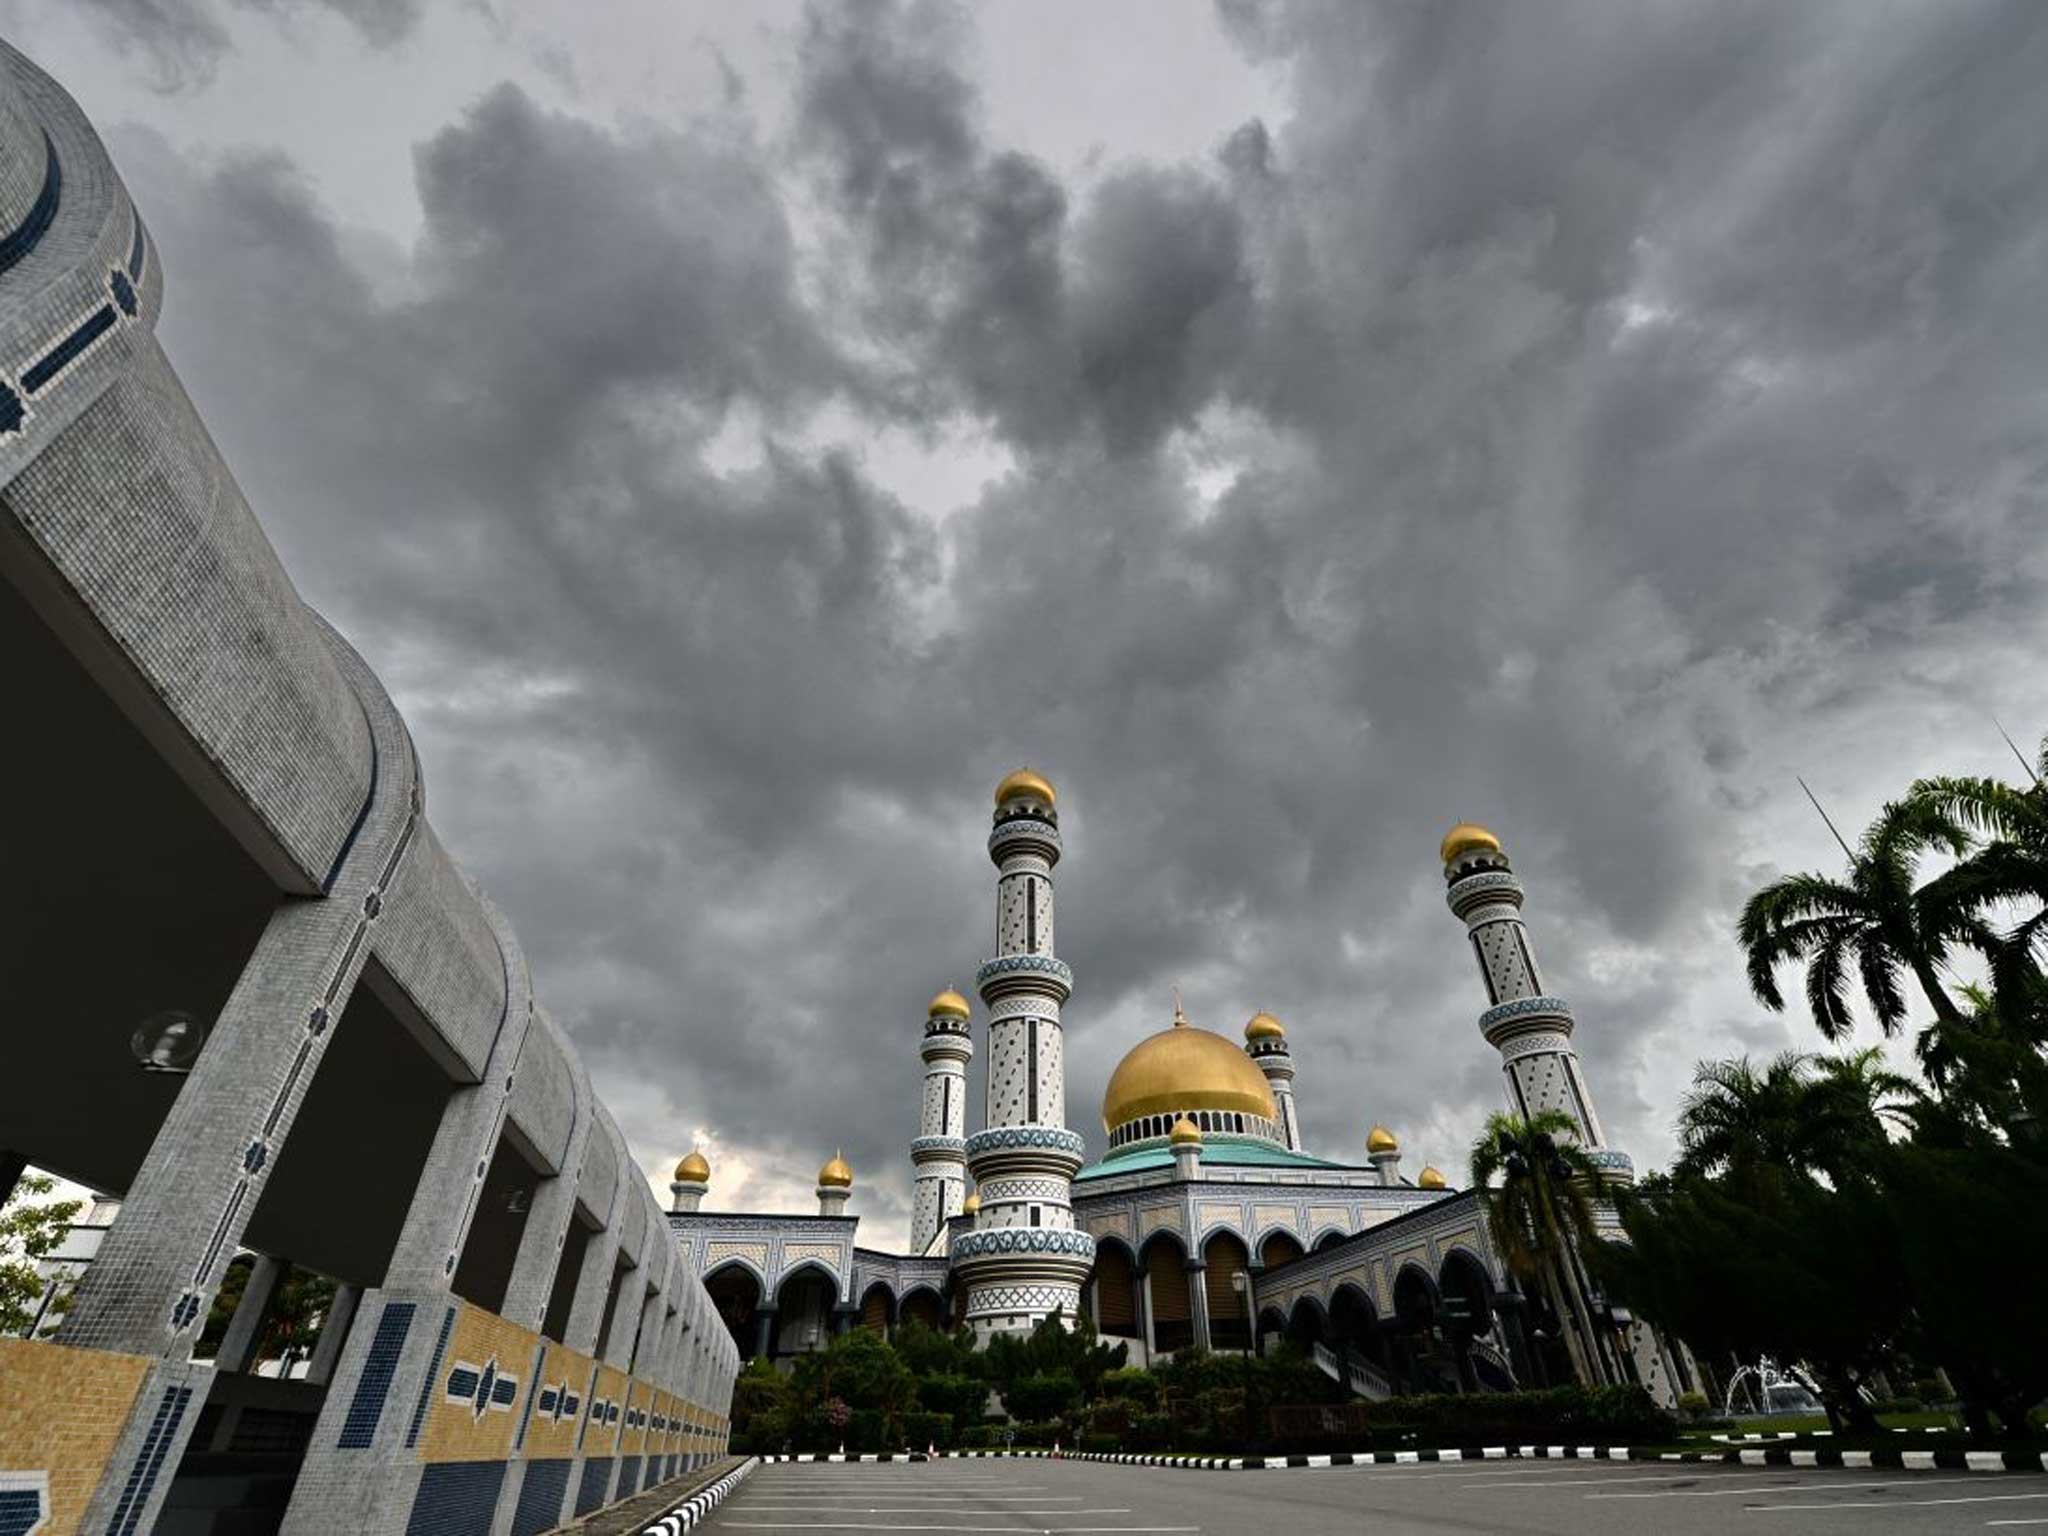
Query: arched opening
1306	1325
1272	1325
922	1306
1468	1308
878	1309
1279	1248
1229	1296
1355	1331
1116	1291
1424	1361
737	1295
1328	1240
803	1311
1165	1264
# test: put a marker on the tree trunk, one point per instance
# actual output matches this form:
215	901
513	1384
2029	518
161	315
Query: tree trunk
1944	1007
1568	1325
1579	1321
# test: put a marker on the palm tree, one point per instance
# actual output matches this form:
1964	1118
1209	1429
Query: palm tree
1541	1217
1801	1114
2010	869
1875	921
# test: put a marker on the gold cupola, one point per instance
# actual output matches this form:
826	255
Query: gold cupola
1264	1026
949	1004
1466	837
836	1174
1025	784
1185	1131
1380	1139
972	1204
1430	1178
1183	1068
693	1169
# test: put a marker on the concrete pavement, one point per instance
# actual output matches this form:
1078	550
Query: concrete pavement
1552	1498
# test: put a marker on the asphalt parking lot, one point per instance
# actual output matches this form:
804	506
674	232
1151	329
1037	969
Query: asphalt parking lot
1571	1498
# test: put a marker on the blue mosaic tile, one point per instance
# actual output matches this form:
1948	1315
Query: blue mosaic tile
367	1406
456	1498
419	1411
540	1497
149	1461
597	1478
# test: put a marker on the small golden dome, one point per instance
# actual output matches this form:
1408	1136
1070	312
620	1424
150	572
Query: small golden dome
1465	837
949	1004
836	1174
972	1203
1430	1178
1022	783
1380	1139
693	1169
1183	1068
1264	1027
1184	1132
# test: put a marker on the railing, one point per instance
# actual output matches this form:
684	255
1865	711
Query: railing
1360	1376
1494	1355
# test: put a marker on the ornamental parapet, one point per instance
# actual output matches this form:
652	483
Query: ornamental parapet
938	1149
1485	885
1047	1137
1018	973
1615	1167
1029	830
1525	1013
1023	1240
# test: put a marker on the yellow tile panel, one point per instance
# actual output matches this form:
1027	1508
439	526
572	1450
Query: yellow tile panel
471	1412
61	1412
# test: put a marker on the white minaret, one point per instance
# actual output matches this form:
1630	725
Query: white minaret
1266	1043
692	1179
1531	1029
940	1151
835	1183
1024	1259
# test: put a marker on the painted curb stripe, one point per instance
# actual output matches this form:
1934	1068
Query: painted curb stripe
1946	1459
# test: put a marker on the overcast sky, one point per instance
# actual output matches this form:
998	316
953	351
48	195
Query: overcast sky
738	434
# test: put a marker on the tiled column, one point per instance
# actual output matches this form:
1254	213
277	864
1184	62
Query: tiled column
1198	1301
245	1329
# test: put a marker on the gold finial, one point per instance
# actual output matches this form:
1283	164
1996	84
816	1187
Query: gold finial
1180	1019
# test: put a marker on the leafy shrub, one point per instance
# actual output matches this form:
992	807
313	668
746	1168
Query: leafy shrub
976	1437
1151	1432
1132	1382
1042	1397
923	1429
1693	1406
1101	1445
1899	1405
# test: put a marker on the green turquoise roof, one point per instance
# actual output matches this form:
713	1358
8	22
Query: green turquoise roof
1223	1151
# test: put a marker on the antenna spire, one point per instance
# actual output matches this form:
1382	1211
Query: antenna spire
2016	752
1831	825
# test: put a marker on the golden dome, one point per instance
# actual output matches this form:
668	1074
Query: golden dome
836	1174
693	1169
1184	1068
1380	1139
949	1003
1264	1027
972	1203
1024	782
1430	1178
1185	1131
1465	837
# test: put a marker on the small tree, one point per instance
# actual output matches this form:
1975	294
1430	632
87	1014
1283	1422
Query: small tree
29	1231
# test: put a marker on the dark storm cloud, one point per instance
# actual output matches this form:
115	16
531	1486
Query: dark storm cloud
179	43
1576	421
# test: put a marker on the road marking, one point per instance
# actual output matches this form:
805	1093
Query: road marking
1604	1482
911	1509
1982	1498
2016	1522
1004	1530
1818	1482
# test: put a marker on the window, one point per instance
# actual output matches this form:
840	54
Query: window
1034	1215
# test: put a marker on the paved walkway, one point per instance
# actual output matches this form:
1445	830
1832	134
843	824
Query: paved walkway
1049	1498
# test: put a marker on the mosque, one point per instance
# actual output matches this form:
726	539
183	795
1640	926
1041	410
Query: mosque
1207	1222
